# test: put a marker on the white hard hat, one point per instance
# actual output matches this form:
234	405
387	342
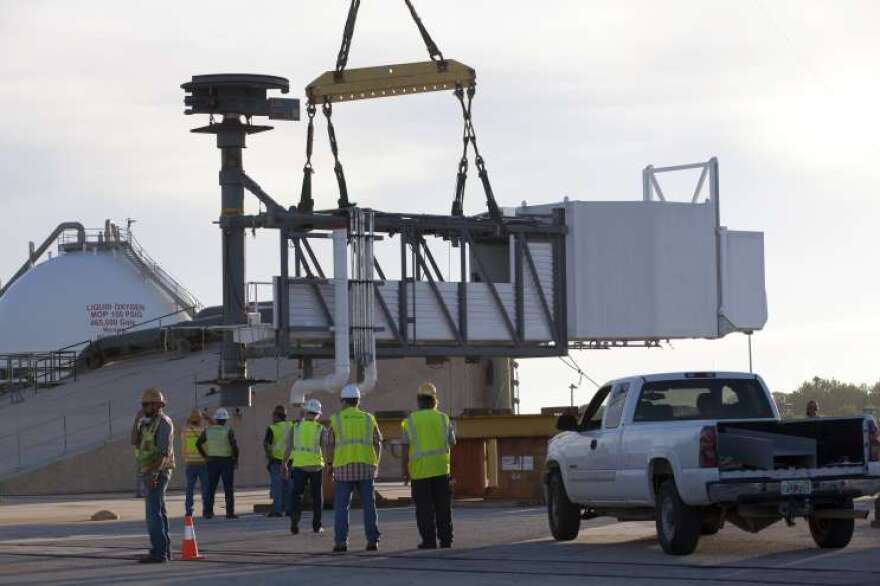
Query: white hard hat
313	406
350	392
221	414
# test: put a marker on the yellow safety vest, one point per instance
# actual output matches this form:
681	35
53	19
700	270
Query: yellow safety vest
147	451
188	438
217	443
307	444
279	438
428	433
353	438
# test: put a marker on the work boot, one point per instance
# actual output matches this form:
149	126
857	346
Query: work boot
445	545
274	514
294	529
372	546
231	516
207	515
340	548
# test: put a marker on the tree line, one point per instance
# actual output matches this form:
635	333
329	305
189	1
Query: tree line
835	398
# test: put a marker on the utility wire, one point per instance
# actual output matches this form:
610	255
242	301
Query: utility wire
576	367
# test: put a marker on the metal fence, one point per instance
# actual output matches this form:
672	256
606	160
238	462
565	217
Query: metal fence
77	431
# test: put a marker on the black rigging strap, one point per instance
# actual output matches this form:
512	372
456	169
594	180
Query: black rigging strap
347	33
469	137
337	166
433	51
306	203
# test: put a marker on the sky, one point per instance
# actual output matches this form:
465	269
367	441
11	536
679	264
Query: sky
574	99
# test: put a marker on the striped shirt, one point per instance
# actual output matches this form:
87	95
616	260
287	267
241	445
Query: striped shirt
357	470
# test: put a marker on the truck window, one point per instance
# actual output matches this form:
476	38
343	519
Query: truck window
702	399
593	415
614	411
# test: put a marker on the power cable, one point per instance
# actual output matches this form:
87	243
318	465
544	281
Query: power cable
576	367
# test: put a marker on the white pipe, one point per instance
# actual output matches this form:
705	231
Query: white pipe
370	370
334	381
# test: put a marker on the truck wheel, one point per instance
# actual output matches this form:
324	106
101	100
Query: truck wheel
833	533
564	515
678	525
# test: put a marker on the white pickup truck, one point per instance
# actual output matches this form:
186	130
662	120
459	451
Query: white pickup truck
693	450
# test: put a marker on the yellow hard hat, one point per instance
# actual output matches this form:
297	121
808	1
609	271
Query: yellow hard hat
153	395
427	390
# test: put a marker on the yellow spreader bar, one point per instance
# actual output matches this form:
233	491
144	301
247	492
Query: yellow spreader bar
390	80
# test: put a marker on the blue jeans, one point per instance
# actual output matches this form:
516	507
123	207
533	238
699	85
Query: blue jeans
277	487
157	517
342	503
195	473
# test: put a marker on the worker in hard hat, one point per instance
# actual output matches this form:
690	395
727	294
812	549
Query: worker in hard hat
139	490
428	438
217	444
305	448
355	445
274	445
196	465
153	433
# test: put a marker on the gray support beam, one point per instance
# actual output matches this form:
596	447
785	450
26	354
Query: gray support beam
560	291
231	140
284	294
518	287
462	291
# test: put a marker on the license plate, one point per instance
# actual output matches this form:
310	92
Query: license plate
796	487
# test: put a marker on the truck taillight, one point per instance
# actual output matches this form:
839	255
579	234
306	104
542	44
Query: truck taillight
873	441
708	447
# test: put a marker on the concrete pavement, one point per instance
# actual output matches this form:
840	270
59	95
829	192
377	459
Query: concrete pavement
493	545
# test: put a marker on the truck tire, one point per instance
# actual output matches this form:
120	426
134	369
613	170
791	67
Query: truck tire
678	525
833	533
564	515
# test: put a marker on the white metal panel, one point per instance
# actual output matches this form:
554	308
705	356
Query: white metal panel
305	307
390	294
640	270
744	300
485	320
430	323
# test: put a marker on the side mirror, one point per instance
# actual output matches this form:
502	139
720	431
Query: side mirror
566	422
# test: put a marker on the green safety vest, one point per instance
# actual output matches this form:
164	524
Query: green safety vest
307	444
279	438
428	434
353	432
147	451
188	439
217	443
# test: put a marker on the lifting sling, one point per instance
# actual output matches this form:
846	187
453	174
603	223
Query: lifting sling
438	74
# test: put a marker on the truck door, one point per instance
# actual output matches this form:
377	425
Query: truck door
608	455
584	470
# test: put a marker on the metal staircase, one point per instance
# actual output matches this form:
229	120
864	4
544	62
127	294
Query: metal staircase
151	269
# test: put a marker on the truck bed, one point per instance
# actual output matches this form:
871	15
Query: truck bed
817	445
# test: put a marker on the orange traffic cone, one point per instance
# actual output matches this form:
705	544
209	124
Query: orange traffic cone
190	549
